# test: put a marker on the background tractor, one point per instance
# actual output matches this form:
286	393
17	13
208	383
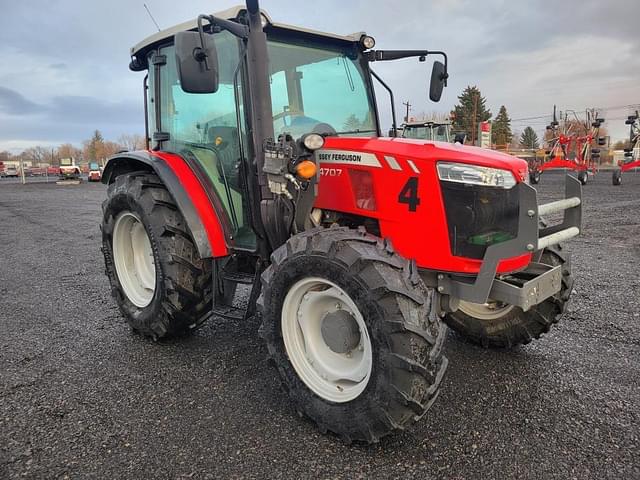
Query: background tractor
266	166
95	172
69	171
632	151
431	130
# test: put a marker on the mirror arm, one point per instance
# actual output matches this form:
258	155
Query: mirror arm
387	55
218	24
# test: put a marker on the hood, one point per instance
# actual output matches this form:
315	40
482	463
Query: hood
431	151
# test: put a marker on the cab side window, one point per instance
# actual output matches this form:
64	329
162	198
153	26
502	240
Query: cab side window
209	130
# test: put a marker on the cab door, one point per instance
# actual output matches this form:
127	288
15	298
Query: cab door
207	130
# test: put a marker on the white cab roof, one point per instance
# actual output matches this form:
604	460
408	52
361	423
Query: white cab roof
231	14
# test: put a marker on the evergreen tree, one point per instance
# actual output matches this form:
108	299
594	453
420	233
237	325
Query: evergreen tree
94	148
501	128
469	102
529	139
352	124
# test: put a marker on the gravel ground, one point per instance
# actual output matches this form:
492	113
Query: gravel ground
82	396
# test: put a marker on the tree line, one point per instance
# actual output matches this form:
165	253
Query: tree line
472	109
95	149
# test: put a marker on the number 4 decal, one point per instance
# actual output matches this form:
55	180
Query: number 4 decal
409	194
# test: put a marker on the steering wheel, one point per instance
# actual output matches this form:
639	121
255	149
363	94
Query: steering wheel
288	113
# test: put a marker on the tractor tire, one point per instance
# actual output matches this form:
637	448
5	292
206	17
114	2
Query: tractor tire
160	283
583	177
391	332
534	178
617	177
508	326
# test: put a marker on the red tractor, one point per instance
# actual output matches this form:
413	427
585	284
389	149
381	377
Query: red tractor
632	152
571	146
266	166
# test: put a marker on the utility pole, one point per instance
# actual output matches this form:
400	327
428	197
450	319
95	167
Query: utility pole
474	125
408	105
22	162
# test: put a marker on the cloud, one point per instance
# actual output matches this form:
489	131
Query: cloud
65	73
63	119
13	103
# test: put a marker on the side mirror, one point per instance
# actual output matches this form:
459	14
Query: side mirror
197	62
438	81
460	138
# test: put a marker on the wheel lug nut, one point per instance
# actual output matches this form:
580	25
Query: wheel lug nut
360	347
338	306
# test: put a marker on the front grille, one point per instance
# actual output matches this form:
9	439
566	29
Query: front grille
478	217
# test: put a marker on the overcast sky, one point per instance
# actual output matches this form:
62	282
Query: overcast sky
64	64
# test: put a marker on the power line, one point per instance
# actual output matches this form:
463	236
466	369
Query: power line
617	107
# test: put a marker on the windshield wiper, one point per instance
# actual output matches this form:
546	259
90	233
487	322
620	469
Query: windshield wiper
356	131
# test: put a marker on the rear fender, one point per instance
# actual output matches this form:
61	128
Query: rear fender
183	185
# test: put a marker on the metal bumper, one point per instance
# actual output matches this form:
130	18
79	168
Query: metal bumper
538	281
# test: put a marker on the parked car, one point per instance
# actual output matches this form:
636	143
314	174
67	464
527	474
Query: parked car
11	171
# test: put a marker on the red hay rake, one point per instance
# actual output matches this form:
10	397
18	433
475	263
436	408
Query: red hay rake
632	152
571	145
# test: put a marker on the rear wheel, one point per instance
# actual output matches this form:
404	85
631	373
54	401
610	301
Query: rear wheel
501	325
534	177
583	176
617	177
159	281
353	333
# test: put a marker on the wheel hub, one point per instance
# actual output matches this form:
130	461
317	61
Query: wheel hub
133	258
340	331
491	310
326	339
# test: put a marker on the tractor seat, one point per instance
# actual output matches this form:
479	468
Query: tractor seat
210	160
224	140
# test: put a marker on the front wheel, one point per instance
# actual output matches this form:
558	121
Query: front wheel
353	333
157	277
500	325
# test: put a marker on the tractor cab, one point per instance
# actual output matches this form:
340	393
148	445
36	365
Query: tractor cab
318	83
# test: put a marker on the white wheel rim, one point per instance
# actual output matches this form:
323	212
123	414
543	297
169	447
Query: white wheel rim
336	377
133	258
485	311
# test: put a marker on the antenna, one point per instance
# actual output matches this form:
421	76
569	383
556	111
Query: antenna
151	16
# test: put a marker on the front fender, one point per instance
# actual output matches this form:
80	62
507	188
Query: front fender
183	185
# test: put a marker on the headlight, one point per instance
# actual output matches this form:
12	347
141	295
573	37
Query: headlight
368	42
475	175
313	141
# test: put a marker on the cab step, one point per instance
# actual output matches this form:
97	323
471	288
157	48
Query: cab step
228	312
235	277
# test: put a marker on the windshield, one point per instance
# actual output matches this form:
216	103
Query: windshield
318	90
438	133
416	132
